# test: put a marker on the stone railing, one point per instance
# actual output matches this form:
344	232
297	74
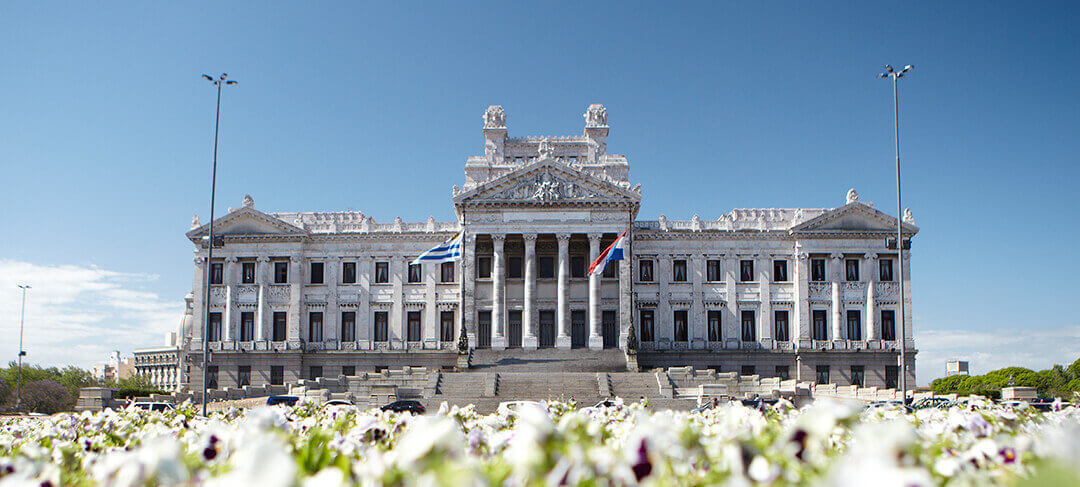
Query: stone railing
886	290
820	291
278	293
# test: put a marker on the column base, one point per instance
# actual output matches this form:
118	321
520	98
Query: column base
596	343
530	343
562	342
499	343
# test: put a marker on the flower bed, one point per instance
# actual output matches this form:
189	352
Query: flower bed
825	443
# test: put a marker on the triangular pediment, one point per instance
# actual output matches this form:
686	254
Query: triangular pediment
247	221
548	183
853	217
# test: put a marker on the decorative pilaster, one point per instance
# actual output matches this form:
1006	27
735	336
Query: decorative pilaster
365	322
468	288
332	315
698	332
397	328
498	292
296	288
765	320
596	339
199	302
870	273
229	273
262	313
837	301
562	293
802	298
732	328
529	314
626	298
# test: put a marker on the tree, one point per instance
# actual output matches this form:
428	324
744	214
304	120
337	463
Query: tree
4	392
45	396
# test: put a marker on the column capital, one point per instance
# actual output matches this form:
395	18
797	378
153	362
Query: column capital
199	259
498	238
594	238
871	256
802	255
295	258
530	238
562	237
231	259
836	256
262	258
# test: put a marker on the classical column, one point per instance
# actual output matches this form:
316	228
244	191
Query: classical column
626	297
909	330
229	275
732	328
801	334
365	322
468	289
529	315
765	321
262	328
698	332
332	314
296	287
596	338
562	293
870	275
398	267
837	310
498	292
199	303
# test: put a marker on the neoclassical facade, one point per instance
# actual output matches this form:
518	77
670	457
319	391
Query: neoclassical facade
806	293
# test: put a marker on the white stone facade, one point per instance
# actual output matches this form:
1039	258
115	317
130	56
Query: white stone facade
305	294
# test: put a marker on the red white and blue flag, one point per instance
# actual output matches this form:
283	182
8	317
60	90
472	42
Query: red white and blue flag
613	252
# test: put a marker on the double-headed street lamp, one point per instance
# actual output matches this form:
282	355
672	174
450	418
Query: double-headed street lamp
219	82
22	353
896	75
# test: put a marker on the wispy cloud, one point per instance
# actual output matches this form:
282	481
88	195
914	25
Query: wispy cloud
77	314
1034	348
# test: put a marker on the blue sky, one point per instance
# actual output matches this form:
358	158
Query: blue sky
106	137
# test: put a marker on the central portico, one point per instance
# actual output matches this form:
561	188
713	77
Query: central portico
537	211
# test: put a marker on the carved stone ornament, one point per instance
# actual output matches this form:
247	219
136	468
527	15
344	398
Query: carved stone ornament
663	222
908	217
248	201
195	222
852	196
495	117
596	116
546	149
546	187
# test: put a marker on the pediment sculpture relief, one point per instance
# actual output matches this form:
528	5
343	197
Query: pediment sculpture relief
546	187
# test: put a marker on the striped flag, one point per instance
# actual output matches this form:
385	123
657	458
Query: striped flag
445	252
613	252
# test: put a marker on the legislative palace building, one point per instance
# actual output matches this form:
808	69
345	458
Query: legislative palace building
800	293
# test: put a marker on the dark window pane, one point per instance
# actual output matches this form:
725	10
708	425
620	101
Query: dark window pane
315	328
416	273
382	320
413	326
446	326
854	325
749	331
577	266
277	375
348	370
382	272
715	324
214	333
782	372
348	272
747	370
857	373
316	272
712	269
646	316
885	266
610	269
279	326
546	268
852	270
483	267
817	270
446	271
780	320
281	272
247	326
514	267
892	376
212	377
678	270
216	273
243	376
680	326
746	271
888	324
247	273
821	327
823	374
780	271
348	326
645	268
314	372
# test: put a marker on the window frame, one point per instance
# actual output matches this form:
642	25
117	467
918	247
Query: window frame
243	372
312	329
348	272
680	325
281	272
317	274
714	320
483	266
748	325
746	271
884	265
213	330
780	270
854	325
858	372
515	267
446	333
578	267
678	270
348	326
414	318
446	272
381	327
851	268
545	267
277	375
818	371
816	266
284	322
647	325
414	273
783	372
247	326
645	270
247	277
824	325
891	328
714	270
781	325
382	272
217	273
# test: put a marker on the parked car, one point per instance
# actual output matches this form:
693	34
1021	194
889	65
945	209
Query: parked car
891	405
340	404
405	406
512	406
283	400
153	406
932	402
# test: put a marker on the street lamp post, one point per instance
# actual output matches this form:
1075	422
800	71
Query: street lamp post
219	82
22	319
896	75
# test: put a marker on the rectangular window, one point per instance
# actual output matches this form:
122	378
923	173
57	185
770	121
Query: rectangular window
348	370
713	271
817	270
446	272
382	272
546	267
214	333
277	375
314	372
348	326
823	374
715	323
749	332
780	320
382	325
746	271
857	373
216	272
577	266
645	270
446	326
247	273
514	267
747	370
317	272
348	272
888	325
678	270
211	377
610	269
646	317
243	376
885	270
821	325
854	325
413	326
315	331
483	267
779	271
416	273
280	318
681	333
852	266
281	272
892	376
783	372
247	326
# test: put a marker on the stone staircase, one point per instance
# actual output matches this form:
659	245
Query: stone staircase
547	360
536	386
631	386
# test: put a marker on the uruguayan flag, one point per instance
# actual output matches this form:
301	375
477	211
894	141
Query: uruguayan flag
445	252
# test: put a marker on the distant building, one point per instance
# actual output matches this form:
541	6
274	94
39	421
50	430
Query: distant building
113	369
956	367
161	366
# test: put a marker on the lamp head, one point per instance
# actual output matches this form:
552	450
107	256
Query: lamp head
908	68
888	69
208	78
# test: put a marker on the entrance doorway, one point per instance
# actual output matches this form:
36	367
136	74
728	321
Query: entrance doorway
610	329
579	329
483	329
515	329
547	329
